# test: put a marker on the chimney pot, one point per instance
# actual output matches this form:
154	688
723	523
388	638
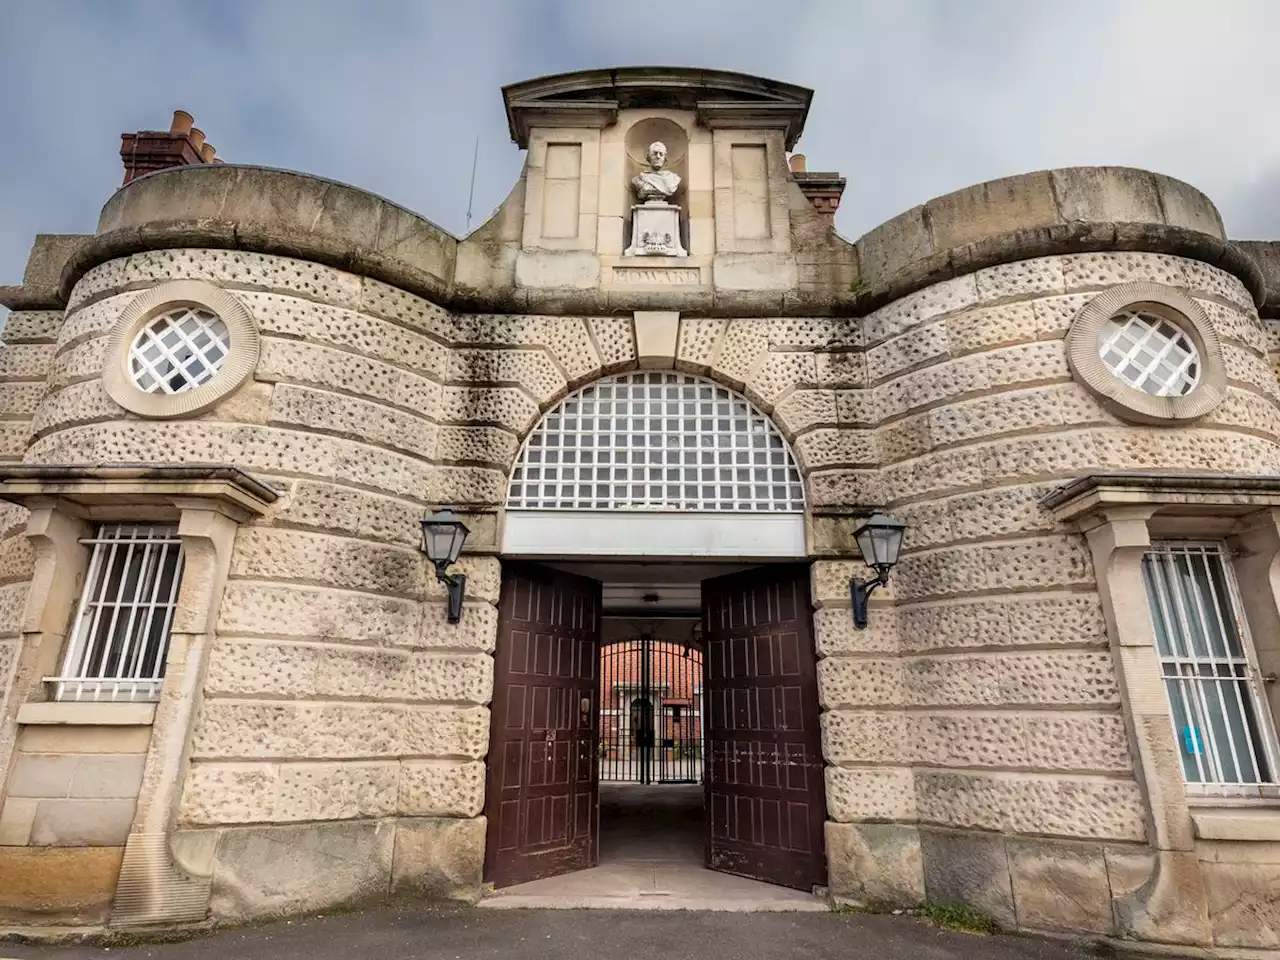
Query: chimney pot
196	136
208	152
181	122
797	163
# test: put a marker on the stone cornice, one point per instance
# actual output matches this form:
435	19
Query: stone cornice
93	487
1217	493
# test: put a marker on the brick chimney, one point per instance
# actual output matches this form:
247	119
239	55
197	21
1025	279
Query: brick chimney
823	190
149	150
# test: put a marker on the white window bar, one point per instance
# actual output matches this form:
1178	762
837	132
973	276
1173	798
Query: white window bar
120	635
1221	720
656	441
1150	353
179	351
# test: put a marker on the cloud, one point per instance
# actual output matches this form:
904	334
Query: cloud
912	99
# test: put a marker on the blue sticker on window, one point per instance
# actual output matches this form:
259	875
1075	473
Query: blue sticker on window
1191	741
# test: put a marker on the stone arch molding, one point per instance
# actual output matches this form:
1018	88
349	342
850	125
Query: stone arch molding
655	463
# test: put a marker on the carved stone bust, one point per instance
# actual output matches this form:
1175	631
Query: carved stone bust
656	184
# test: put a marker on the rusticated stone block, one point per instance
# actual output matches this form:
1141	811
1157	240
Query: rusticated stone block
1059	886
846	682
336	791
359	419
443	732
844	487
32	326
909	437
971	870
845	369
616	342
78	362
25	361
91	320
477	629
479	486
936	300
803	410
1022	278
994	415
777	375
295	362
265	553
1214	282
440	859
507	407
1232	323
698	341
229	793
322	323
1001	512
232	268
1071	807
276	871
450	678
532	370
828	447
867	736
877	864
913	348
383	300
879	793
991	327
1108	268
286	610
835	634
441	788
486	445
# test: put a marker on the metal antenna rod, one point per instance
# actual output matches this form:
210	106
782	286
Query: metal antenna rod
471	195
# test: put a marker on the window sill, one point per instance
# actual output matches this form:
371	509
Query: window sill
1237	823
82	713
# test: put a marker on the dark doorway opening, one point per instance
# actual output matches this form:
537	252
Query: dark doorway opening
656	714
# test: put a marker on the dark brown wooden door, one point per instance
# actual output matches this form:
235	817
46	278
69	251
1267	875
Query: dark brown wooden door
765	796
542	798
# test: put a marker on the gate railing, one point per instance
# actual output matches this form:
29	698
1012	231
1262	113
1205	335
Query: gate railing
650	712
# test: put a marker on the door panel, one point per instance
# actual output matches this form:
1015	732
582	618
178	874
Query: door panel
765	795
541	795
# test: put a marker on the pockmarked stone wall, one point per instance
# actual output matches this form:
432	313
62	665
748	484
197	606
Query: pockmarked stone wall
977	744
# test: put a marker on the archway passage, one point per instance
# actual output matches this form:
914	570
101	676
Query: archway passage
753	800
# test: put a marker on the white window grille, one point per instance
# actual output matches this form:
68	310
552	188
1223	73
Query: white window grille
120	636
179	350
1221	721
1150	353
656	441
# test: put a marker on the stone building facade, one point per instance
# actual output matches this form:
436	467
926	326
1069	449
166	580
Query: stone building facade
1060	712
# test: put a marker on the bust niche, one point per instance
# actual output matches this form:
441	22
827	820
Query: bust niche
657	222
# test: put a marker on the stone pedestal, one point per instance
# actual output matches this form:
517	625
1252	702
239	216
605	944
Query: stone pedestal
655	230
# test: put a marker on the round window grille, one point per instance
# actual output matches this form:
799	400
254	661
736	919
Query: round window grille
179	351
656	441
1150	353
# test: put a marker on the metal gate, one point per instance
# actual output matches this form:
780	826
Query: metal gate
650	711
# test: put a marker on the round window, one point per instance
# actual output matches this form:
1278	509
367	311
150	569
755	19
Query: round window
178	351
1150	353
179	348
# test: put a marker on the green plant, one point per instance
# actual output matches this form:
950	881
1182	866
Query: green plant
953	916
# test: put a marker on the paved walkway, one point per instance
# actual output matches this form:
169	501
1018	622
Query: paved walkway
466	934
652	858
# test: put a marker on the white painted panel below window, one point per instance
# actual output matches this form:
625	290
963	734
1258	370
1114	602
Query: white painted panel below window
565	533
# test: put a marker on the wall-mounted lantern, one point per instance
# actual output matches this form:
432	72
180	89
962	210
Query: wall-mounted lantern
443	534
880	542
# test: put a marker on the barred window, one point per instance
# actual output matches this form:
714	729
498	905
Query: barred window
656	441
120	635
179	350
1224	732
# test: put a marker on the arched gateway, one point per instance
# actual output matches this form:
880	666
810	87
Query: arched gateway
650	500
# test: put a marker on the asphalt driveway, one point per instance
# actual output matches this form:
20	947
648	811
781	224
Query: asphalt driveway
467	934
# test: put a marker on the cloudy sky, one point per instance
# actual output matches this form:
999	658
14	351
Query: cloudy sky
914	98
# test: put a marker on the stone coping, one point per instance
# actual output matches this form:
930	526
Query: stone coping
1266	254
98	485
1233	492
263	210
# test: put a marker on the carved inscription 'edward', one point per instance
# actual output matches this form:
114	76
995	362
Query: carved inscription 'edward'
656	276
